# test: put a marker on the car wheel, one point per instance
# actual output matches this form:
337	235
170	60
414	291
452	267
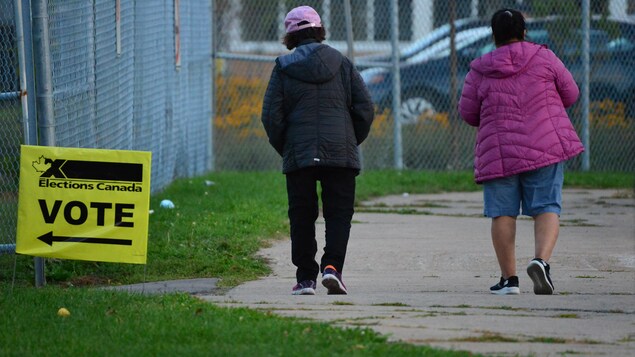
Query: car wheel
415	109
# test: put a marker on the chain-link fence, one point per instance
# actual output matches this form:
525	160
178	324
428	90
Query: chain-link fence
123	78
429	135
118	74
10	125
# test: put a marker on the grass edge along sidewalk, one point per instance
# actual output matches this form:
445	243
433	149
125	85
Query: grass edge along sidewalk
108	323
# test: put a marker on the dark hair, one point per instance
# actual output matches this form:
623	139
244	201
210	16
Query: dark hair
508	24
293	39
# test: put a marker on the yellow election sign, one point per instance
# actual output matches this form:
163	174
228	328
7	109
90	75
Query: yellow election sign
84	204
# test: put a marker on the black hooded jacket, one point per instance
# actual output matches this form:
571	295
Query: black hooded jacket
316	109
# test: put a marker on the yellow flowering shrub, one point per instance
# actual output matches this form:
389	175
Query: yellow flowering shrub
607	113
239	106
435	141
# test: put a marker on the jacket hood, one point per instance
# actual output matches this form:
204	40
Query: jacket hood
312	62
506	60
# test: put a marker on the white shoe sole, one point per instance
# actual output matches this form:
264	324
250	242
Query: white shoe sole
538	275
333	285
305	291
512	290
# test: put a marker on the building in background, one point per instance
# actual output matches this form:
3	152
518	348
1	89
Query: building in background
250	26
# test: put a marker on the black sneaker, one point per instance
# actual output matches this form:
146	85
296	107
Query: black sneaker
306	287
507	286
538	271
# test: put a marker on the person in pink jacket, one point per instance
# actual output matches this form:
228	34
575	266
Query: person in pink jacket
516	96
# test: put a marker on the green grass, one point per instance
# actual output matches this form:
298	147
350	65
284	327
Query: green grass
399	304
108	323
214	231
568	316
599	180
487	337
379	183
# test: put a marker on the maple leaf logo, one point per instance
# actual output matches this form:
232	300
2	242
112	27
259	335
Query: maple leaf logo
42	164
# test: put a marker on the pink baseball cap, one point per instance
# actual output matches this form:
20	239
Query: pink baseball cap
299	15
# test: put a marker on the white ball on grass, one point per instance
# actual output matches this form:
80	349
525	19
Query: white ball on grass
167	204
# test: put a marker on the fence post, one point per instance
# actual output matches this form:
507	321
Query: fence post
43	72
586	155
44	94
454	119
211	162
349	30
396	84
25	59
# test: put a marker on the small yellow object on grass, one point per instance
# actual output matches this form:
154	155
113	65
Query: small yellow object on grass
63	312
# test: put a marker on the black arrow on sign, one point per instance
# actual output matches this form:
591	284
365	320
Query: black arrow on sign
49	238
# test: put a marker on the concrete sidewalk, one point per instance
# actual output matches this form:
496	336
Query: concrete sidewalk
424	278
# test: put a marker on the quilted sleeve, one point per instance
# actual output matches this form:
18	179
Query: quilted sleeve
273	117
362	110
469	103
566	85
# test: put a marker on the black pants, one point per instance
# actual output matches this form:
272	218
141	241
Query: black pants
338	199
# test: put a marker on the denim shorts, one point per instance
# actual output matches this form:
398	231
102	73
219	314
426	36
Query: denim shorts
538	191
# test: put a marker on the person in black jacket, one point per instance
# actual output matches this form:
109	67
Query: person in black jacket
316	112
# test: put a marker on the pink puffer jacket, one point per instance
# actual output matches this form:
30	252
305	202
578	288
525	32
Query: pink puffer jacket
516	95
